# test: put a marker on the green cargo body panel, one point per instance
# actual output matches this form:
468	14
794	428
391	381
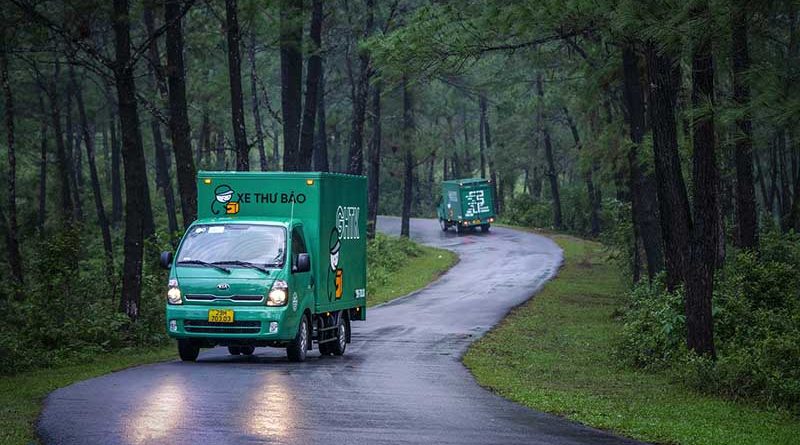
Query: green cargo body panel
469	201
333	207
328	209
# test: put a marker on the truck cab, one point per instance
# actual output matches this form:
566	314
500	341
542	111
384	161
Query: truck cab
466	204
274	259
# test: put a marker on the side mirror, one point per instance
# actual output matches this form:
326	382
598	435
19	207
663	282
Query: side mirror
166	260
302	263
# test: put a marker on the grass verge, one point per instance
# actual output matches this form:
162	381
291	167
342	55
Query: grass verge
553	354
401	267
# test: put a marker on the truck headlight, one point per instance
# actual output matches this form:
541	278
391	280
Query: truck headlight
278	295
174	293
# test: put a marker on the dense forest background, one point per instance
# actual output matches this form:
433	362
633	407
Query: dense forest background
667	129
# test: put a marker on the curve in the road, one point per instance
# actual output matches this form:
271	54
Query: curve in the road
401	380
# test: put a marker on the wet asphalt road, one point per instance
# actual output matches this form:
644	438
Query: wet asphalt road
401	380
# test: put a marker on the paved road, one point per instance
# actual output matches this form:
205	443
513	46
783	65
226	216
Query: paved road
401	380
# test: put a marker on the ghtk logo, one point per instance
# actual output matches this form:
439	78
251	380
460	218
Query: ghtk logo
223	201
347	222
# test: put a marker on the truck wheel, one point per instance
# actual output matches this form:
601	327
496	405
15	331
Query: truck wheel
234	350
247	350
296	351
338	346
443	224
484	228
459	229
188	350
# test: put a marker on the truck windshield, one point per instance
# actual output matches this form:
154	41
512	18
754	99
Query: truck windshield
234	244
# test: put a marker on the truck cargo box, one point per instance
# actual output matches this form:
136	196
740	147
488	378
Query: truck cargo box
330	206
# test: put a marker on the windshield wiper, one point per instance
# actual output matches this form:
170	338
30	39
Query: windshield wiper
244	264
205	264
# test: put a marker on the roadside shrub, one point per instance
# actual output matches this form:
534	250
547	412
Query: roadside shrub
69	310
385	255
756	310
523	210
654	327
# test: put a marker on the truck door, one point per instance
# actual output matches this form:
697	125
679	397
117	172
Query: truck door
303	282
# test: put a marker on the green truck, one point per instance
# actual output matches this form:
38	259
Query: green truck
274	259
466	204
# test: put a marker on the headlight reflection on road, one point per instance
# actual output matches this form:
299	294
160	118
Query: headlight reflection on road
159	414
274	409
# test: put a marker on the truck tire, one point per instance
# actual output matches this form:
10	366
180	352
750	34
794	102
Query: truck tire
459	229
338	347
485	228
247	350
443	224
296	351
234	350
188	350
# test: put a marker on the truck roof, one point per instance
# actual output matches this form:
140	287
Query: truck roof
275	174
466	181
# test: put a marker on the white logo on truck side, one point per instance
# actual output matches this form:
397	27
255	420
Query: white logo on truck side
347	222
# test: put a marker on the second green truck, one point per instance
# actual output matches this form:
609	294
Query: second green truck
274	259
466	204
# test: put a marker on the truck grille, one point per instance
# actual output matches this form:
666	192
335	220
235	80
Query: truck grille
237	327
240	298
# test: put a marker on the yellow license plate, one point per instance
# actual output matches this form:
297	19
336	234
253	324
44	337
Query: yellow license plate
477	221
220	315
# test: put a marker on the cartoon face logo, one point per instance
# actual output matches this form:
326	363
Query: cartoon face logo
335	273
223	202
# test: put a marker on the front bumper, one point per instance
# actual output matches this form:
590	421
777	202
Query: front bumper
249	322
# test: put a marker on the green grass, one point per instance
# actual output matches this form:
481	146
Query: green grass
553	354
415	274
21	396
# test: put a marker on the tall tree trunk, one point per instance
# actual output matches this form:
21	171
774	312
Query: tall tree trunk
373	176
116	174
70	160
134	162
482	134
276	154
204	146
235	77
67	212
408	160
312	89
673	202
487	134
41	216
644	206
700	285
12	236
220	151
552	173
163	180
321	142
746	216
594	201
251	51
291	42
359	93
785	180
88	142
465	164
178	116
